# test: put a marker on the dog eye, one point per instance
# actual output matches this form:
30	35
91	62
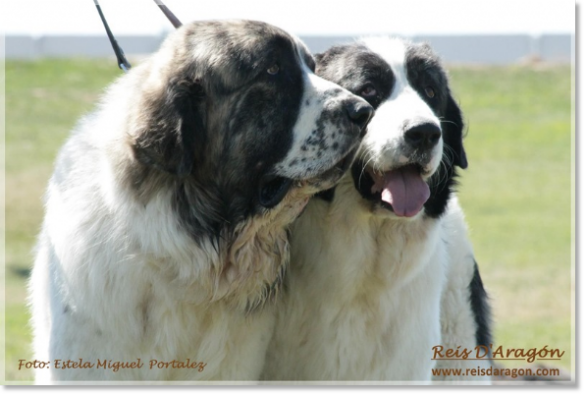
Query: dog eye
430	92
274	69
368	91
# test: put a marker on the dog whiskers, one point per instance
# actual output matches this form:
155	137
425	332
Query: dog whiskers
444	121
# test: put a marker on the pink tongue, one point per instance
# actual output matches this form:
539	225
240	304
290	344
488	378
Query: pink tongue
404	189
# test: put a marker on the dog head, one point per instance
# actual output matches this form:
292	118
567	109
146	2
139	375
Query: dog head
406	161
235	106
233	122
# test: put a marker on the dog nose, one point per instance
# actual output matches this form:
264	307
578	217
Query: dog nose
359	112
423	136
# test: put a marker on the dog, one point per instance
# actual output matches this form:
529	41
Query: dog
165	236
381	268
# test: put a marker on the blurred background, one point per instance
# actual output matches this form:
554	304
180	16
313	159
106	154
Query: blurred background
511	69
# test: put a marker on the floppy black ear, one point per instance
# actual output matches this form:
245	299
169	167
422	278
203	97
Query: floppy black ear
453	128
171	128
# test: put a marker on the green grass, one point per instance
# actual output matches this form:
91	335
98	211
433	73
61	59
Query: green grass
516	192
517	197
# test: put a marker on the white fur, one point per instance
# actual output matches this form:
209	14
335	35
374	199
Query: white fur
457	318
363	299
366	289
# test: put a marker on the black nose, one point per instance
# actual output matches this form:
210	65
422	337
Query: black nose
359	113
423	136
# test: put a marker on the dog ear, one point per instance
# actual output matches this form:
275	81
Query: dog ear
453	127
172	124
319	62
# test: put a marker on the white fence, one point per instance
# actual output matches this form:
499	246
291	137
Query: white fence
497	49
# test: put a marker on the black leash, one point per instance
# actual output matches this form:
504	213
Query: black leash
170	16
122	61
121	58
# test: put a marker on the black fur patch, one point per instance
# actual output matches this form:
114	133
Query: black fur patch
168	141
355	67
481	309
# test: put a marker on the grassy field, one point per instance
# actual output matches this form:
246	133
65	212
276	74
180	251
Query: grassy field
517	197
516	192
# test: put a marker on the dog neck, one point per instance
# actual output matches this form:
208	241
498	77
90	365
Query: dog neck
240	264
365	244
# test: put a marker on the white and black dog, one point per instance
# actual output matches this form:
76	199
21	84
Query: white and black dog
166	217
377	261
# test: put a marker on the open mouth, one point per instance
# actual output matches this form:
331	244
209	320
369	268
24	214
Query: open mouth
274	188
401	190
